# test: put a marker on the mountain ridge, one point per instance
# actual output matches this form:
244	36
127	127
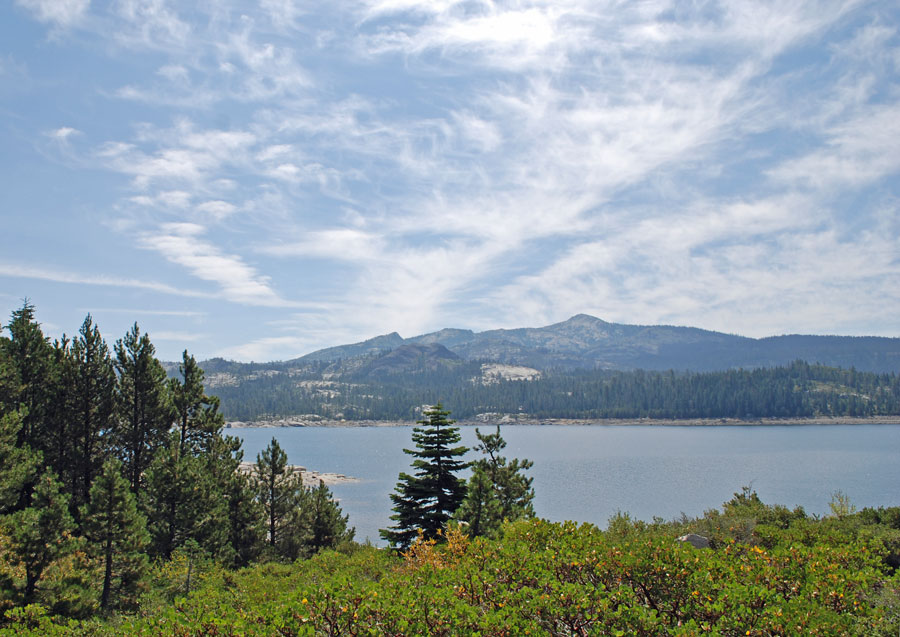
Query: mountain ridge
587	342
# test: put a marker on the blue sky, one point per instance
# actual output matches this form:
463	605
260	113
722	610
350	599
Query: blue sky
256	180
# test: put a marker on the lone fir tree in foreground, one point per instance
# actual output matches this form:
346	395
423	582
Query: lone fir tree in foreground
427	500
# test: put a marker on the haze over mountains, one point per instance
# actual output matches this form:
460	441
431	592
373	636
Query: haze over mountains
587	342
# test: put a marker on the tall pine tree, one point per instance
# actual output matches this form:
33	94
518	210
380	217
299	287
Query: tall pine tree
145	412
197	415
245	517
427	499
183	503
281	492
93	408
117	536
31	357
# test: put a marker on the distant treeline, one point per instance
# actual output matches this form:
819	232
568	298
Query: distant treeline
797	390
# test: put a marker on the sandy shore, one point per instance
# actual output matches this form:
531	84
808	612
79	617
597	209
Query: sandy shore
619	422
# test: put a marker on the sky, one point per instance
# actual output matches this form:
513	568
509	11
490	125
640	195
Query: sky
258	180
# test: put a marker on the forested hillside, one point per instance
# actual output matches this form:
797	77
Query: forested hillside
797	390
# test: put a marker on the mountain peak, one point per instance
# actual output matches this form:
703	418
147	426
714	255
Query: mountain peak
585	319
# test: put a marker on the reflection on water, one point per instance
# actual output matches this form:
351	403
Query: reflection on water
588	473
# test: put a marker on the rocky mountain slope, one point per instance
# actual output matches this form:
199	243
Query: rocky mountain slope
586	342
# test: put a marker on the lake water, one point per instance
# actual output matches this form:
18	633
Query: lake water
588	473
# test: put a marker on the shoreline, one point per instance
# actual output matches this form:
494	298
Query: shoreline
509	420
310	477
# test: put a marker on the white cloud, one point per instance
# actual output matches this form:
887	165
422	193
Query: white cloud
750	268
267	349
176	335
174	73
180	243
63	133
45	274
651	160
217	209
857	152
174	198
181	154
340	244
150	24
284	13
143	312
63	13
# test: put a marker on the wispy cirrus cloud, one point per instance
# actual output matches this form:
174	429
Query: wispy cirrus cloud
61	13
145	312
181	243
509	162
856	152
57	276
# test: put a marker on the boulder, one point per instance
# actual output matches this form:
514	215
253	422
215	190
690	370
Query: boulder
697	541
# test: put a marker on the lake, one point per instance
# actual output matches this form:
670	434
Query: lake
588	473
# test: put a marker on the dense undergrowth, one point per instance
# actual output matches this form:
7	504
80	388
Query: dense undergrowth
769	571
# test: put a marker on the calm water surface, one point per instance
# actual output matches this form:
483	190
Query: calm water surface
588	473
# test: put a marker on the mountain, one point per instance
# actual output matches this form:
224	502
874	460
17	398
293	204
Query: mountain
580	368
407	359
587	342
377	345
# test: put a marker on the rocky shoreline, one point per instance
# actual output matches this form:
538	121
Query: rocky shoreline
517	419
310	478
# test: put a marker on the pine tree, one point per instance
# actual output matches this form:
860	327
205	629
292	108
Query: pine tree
41	533
481	510
19	465
183	502
280	491
190	477
145	413
198	417
328	527
31	356
498	490
93	401
245	517
428	499
117	536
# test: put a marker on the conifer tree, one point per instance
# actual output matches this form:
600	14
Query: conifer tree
18	464
145	412
428	499
93	412
183	502
41	533
245	517
481	510
328	527
498	490
59	434
280	491
295	531
31	356
117	536
197	415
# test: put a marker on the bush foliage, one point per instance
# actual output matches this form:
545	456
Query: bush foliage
770	571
